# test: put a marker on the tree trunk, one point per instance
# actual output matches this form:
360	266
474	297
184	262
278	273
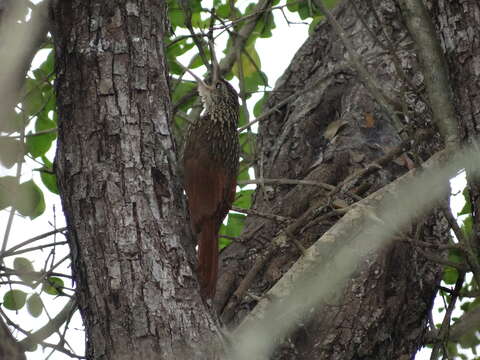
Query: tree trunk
9	347
117	173
327	133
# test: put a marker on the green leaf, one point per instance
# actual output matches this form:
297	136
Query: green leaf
174	67
242	119
11	122
48	65
40	74
244	199
243	173
330	4
469	340
228	76
233	228
33	100
176	16
53	286
179	48
35	305
450	275
250	62
258	108
313	25
223	11
50	181
264	26
25	270
247	141
195	6
467	226
235	224
50	104
466	306
45	123
29	200
197	61
8	189
223	242
304	11
455	255
21	264
467	208
452	349
254	81
197	20
182	89
292	5
38	145
29	346
48	178
14	299
10	151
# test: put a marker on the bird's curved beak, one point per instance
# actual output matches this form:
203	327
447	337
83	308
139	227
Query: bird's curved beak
215	72
199	81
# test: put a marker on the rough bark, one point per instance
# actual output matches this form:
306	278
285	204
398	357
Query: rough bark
9	347
460	42
117	174
325	135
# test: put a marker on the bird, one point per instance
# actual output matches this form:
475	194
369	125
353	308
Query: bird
210	166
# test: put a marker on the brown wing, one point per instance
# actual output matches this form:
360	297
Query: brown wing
209	189
210	192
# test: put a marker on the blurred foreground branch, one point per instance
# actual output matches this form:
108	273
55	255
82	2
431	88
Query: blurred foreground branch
369	225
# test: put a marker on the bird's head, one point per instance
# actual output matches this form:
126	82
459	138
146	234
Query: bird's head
216	93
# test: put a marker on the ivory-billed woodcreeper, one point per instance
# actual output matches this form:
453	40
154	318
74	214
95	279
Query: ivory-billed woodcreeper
210	161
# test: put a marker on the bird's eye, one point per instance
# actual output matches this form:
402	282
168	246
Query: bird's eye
218	85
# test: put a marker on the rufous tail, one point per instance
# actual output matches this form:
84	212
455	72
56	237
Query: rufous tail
208	258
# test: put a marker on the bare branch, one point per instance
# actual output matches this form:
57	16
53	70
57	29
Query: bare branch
31	240
253	212
444	329
52	326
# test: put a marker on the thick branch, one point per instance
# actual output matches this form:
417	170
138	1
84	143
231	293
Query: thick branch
437	82
365	228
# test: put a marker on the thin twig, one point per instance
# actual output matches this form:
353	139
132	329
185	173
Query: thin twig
34	248
52	326
461	267
374	166
253	212
31	240
196	39
444	329
287	182
255	14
